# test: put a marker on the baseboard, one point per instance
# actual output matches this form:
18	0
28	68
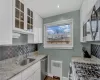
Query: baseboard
65	78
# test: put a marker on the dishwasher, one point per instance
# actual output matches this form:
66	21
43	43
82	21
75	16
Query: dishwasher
44	67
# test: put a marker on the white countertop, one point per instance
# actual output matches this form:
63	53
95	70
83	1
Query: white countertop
9	69
93	60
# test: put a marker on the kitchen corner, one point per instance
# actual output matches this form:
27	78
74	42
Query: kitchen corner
49	39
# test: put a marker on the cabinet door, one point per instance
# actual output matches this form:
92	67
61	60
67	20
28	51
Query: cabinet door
37	75
29	20
18	14
27	73
36	35
31	77
30	38
5	22
17	77
40	35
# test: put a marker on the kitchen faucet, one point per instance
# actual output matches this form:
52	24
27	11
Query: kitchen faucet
26	55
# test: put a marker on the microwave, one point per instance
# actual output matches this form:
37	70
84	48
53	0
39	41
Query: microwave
91	29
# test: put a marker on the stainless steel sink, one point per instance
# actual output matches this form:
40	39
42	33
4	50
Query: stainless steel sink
26	61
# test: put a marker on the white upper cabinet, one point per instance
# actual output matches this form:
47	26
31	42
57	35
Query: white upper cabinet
40	35
6	22
16	17
11	20
36	35
84	15
37	29
22	18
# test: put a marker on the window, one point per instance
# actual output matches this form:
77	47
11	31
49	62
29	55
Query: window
59	35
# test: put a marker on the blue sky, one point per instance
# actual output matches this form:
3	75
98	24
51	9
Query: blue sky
59	29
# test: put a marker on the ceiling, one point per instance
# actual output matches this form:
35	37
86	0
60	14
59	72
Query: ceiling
47	8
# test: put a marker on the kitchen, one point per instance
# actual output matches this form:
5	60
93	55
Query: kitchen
49	40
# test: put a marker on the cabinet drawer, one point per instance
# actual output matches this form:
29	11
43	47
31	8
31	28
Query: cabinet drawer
29	71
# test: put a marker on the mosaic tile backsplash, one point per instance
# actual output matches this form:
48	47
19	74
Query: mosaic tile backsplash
95	50
15	50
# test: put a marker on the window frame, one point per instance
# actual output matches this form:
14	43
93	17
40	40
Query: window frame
61	22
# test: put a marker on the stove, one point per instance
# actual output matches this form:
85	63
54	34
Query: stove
87	71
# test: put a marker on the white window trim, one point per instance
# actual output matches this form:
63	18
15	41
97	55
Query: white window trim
68	21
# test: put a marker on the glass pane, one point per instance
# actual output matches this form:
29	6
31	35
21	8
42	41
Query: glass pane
22	25
28	11
16	23
31	14
28	26
22	16
31	27
22	7
28	20
31	21
17	3
16	13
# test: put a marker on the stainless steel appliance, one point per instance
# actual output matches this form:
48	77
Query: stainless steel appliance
92	25
44	67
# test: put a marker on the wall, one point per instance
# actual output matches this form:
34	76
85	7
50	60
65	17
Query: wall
65	55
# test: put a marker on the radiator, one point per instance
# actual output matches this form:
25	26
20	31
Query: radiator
56	68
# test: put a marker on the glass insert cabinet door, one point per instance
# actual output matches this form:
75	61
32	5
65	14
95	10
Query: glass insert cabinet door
19	14
29	20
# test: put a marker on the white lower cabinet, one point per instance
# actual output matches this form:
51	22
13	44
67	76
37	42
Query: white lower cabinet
27	73
37	75
17	77
31	73
31	77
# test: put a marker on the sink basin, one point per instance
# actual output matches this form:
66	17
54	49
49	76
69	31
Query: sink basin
26	61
